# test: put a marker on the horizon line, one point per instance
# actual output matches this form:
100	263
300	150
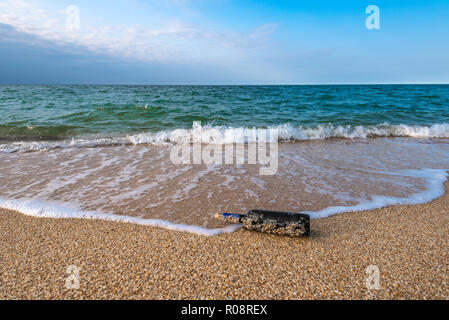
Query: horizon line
224	84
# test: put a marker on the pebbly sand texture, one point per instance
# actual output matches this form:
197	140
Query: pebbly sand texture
409	244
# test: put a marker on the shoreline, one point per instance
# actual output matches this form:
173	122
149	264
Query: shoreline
288	134
408	243
435	188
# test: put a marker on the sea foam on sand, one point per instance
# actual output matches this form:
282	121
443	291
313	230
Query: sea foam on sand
53	209
434	178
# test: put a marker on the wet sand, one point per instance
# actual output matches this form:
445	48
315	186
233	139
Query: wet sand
141	181
409	244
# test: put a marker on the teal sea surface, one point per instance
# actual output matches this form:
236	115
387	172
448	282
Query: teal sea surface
48	113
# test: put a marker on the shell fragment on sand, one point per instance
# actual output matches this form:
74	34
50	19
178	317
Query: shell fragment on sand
281	223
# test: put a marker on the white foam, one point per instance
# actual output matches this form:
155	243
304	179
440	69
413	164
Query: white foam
434	182
224	135
51	209
434	178
287	132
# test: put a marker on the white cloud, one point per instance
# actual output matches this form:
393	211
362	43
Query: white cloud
175	41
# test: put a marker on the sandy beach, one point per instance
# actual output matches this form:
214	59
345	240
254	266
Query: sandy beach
409	244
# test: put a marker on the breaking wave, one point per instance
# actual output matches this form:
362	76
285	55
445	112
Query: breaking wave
223	135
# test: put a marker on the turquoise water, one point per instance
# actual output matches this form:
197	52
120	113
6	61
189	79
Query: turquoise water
46	113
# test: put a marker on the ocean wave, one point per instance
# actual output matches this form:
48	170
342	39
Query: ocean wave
209	134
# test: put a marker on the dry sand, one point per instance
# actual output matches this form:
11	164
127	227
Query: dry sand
409	244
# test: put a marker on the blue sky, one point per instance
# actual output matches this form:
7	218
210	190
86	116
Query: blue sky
223	42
